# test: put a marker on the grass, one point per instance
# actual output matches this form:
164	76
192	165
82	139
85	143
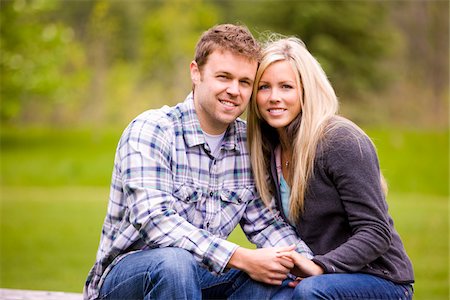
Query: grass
414	161
55	184
49	236
53	234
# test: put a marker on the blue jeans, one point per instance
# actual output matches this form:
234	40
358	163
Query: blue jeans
351	286
173	273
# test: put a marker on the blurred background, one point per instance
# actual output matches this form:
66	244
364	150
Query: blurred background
75	73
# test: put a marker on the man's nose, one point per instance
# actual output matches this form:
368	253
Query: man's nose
233	88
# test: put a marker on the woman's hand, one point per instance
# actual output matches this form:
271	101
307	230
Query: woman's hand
304	267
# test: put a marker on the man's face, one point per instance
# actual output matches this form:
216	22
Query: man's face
222	89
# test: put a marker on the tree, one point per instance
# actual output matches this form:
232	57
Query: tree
349	38
34	56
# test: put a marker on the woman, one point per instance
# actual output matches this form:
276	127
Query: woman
324	174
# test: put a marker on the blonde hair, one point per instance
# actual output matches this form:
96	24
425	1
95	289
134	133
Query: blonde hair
319	107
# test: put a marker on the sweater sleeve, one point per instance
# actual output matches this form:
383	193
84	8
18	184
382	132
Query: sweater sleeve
351	162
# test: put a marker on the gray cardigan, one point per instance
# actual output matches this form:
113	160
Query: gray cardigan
345	220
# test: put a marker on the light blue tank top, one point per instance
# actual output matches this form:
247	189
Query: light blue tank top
285	194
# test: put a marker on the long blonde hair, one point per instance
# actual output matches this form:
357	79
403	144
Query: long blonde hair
319	106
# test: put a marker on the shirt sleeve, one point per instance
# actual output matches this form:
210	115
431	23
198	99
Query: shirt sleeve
145	157
352	164
264	227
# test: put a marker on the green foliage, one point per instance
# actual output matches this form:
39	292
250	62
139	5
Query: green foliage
40	61
166	50
349	38
102	62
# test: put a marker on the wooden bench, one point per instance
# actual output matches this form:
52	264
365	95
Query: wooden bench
11	294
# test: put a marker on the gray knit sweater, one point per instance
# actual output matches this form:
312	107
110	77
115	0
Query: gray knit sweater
346	221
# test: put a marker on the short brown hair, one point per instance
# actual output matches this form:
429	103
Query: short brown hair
235	38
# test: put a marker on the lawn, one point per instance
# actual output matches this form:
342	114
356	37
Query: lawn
55	183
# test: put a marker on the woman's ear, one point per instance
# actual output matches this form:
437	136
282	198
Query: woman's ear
195	72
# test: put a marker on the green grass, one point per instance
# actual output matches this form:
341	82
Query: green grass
53	157
414	161
55	183
50	236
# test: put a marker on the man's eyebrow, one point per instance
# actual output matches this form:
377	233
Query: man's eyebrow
231	75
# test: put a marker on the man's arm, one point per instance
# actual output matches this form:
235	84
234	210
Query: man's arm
265	228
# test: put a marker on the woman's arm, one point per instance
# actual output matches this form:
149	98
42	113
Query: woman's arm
351	162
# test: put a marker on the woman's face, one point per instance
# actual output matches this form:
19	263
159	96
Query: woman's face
278	95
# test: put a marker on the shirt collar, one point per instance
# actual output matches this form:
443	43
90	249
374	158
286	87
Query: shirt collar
193	133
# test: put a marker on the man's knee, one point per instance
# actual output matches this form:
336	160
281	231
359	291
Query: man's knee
178	262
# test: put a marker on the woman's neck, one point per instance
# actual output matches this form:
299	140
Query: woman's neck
286	154
286	145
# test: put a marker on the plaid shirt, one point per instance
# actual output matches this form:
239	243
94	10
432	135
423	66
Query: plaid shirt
168	190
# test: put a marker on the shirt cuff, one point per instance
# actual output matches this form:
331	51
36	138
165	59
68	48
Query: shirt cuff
218	254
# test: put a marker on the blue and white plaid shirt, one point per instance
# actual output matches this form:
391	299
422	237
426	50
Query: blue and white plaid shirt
168	190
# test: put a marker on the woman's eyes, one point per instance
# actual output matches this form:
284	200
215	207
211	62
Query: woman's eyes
283	86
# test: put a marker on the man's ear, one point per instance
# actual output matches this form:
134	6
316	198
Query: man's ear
195	72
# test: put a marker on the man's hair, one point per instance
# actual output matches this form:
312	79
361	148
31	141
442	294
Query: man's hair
235	38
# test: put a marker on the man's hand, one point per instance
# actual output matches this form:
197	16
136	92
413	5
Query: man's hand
264	265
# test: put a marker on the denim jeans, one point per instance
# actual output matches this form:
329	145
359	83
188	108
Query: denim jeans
173	273
351	286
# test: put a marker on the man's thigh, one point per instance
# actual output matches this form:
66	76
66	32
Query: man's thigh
162	273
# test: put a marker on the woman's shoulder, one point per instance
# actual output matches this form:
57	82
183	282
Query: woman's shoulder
343	136
339	127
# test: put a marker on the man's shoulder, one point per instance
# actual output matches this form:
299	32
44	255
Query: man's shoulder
153	124
164	117
159	115
241	127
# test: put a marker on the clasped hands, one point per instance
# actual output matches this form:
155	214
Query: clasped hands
272	265
303	267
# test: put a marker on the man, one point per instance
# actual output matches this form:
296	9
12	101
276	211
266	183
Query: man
182	182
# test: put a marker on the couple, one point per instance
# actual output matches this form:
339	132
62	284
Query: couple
183	179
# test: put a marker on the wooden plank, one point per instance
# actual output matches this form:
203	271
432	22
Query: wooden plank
11	294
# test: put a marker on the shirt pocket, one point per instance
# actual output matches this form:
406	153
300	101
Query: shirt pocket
187	201
233	203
